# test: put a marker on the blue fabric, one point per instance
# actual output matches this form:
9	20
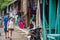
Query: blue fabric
6	21
5	29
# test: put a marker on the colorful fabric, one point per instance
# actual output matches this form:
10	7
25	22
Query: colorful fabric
6	21
21	25
5	29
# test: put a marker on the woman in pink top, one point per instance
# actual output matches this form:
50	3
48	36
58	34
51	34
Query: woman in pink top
21	25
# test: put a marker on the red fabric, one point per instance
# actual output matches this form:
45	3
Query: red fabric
21	25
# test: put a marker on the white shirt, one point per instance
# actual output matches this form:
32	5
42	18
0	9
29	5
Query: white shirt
10	24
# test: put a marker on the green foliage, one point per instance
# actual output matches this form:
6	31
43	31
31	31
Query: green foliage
4	3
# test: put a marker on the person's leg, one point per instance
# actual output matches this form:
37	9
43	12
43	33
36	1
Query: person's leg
11	33
6	35
5	30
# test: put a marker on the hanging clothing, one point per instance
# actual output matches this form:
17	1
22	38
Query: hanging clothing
21	25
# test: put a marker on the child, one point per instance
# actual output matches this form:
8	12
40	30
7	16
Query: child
10	26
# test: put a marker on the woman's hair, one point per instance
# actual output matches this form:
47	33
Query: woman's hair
10	18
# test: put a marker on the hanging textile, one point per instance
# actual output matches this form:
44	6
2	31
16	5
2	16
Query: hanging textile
38	16
43	27
7	9
17	9
31	6
58	11
52	14
58	17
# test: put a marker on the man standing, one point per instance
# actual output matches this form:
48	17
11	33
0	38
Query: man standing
5	24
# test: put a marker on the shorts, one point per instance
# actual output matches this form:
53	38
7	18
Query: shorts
10	29
5	29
